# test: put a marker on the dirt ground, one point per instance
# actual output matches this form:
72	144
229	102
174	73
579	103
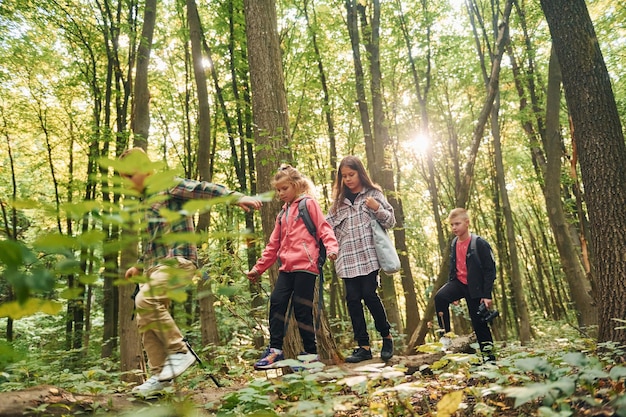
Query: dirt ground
51	401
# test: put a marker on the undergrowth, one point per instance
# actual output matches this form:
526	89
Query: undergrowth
564	376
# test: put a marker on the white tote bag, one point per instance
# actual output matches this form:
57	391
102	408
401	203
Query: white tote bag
385	250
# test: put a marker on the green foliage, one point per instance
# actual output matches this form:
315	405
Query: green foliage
253	399
567	378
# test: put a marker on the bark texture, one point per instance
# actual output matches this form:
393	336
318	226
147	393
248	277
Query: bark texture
600	145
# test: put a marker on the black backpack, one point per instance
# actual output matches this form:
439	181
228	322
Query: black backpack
303	213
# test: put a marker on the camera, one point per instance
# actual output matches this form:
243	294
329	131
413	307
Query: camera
486	315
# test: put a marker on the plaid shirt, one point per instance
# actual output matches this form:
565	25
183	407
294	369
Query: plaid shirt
166	216
352	224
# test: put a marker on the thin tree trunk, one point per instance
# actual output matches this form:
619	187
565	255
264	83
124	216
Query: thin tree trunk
463	187
380	167
140	119
579	285
208	319
131	353
521	310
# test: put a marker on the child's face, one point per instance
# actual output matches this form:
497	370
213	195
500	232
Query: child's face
137	180
286	191
351	179
459	226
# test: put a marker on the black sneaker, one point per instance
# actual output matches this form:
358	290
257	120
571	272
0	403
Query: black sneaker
386	352
359	355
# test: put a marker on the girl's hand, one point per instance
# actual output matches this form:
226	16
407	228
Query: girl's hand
371	203
332	256
253	275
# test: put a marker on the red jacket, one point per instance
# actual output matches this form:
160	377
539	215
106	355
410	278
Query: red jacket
292	244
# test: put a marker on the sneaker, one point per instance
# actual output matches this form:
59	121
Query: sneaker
446	342
269	358
151	386
359	355
176	364
387	351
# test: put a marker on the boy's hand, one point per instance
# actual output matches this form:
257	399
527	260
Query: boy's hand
488	302
253	275
131	272
247	203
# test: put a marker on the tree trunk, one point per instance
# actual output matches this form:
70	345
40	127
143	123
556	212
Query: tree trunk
140	119
599	141
380	166
208	322
271	123
463	186
579	285
521	313
131	353
353	31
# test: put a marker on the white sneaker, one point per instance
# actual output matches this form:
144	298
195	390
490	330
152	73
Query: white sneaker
445	343
176	364
151	386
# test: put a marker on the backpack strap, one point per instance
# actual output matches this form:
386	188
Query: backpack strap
303	212
472	247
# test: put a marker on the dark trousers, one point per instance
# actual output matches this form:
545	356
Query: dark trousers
364	288
455	290
298	287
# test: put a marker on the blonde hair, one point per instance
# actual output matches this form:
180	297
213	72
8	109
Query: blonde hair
135	160
290	174
458	213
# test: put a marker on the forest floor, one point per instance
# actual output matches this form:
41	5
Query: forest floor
428	384
48	400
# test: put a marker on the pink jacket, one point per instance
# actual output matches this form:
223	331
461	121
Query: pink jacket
292	244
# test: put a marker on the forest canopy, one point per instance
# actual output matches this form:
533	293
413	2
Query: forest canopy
472	104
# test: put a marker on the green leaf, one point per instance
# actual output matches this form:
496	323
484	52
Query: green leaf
161	181
575	359
56	243
592	374
40	279
16	310
535	364
179	295
71	293
92	237
531	392
617	372
186	237
12	253
227	290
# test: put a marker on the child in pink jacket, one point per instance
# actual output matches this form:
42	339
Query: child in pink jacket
297	252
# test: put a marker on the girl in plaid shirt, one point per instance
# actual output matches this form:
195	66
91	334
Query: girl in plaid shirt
356	200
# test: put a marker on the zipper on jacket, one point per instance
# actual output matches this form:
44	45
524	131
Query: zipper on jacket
308	254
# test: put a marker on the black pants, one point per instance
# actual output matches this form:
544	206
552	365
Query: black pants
364	288
455	290
298	287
